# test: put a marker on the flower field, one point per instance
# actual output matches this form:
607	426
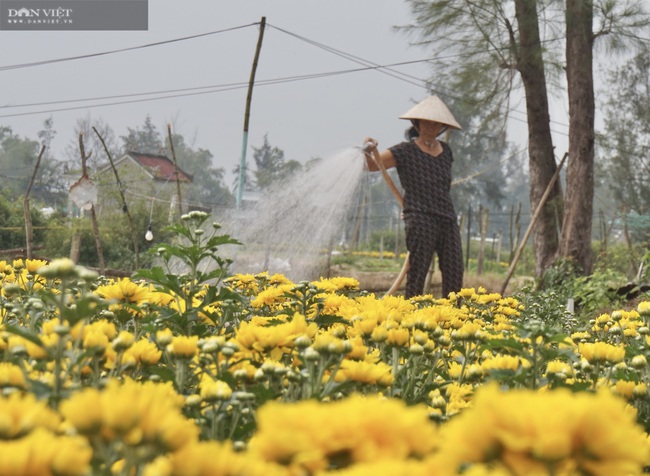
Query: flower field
206	373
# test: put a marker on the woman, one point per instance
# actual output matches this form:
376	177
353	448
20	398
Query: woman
424	168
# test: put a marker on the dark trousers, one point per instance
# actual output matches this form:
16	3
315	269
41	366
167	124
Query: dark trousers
426	235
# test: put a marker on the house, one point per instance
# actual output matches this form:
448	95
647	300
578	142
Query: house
145	179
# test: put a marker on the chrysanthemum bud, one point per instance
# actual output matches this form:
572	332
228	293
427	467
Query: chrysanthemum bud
416	349
192	400
302	341
640	390
311	354
11	289
59	268
639	362
444	340
62	329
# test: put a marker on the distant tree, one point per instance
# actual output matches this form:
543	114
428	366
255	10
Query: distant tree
479	171
92	145
271	165
50	187
501	45
17	160
208	185
145	139
499	48
12	222
625	141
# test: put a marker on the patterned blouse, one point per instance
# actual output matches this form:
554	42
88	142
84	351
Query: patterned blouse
426	180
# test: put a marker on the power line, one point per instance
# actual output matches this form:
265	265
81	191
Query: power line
386	70
212	86
184	92
121	50
191	91
397	74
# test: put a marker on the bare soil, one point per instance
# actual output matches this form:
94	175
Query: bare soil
380	281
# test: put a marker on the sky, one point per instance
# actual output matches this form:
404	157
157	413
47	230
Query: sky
309	113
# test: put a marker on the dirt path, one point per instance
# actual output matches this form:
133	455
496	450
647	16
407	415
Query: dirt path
380	282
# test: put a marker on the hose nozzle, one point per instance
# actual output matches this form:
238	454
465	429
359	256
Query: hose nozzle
368	146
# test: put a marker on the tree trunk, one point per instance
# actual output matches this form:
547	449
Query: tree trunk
541	159
575	239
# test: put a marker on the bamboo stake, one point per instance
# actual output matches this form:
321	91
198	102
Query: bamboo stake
178	182
538	211
26	211
247	114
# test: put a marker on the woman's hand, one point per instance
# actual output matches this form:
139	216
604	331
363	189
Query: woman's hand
369	143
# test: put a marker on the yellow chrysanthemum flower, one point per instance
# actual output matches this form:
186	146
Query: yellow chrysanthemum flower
184	347
271	296
97	341
144	352
21	414
11	376
643	308
211	389
591	433
601	352
378	373
337	283
83	410
81	330
126	291
274	339
398	337
213	458
504	362
559	368
624	388
32	265
44	453
312	435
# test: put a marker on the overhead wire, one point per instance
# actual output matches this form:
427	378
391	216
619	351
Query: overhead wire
385	70
122	50
191	91
182	92
199	90
391	72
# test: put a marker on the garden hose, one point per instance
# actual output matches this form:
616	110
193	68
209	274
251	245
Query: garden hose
370	148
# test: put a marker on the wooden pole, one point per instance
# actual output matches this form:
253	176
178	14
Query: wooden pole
26	211
538	211
391	184
93	216
125	208
393	188
483	226
469	236
247	114
178	180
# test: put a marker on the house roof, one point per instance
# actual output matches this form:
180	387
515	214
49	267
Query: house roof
161	167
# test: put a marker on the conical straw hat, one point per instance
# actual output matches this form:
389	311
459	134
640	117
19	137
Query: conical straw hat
432	109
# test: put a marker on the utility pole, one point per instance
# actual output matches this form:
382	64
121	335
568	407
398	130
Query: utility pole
247	114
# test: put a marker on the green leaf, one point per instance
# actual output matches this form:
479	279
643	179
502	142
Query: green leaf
326	320
25	334
166	374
